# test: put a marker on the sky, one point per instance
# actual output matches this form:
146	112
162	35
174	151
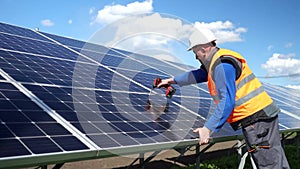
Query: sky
265	32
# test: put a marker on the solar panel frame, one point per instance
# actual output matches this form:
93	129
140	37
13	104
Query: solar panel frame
22	67
60	92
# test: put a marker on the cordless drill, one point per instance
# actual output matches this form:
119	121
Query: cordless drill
170	90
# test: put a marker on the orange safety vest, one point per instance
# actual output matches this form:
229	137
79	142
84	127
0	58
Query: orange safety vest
250	95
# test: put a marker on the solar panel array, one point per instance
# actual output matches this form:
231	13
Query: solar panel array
63	100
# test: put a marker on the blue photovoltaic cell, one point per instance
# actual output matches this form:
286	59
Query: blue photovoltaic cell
110	60
66	41
41	145
12	147
25	129
287	97
22	119
64	143
15	30
5	132
88	48
30	68
164	67
92	50
35	46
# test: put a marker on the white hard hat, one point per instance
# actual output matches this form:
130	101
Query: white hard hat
201	36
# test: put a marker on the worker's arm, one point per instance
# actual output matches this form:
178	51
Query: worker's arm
225	76
192	77
187	78
225	85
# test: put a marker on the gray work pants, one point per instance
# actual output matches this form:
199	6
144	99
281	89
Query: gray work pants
261	131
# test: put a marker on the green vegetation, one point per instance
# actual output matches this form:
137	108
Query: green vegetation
231	161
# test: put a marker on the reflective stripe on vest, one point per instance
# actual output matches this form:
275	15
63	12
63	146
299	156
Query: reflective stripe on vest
245	80
250	94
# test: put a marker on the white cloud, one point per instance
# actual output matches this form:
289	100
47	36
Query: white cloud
70	21
224	31
270	47
92	9
146	34
47	22
112	13
168	27
217	25
148	40
289	45
240	30
134	28
141	31
281	64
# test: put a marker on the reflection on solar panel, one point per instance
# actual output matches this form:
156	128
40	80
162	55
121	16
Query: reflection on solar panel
66	100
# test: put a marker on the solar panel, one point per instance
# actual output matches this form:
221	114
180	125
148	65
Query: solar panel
288	100
61	97
18	31
23	124
66	41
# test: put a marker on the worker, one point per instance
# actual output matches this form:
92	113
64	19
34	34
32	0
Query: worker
239	97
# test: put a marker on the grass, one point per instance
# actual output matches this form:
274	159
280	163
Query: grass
231	161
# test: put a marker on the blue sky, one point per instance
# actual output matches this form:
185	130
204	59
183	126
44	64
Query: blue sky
265	32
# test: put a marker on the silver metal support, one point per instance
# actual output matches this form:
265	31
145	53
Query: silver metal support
197	156
141	159
152	156
243	161
242	157
207	147
239	150
132	163
252	162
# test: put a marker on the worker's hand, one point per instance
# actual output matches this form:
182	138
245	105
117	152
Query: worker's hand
204	134
166	82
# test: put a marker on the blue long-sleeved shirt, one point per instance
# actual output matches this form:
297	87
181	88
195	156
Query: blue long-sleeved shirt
224	77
